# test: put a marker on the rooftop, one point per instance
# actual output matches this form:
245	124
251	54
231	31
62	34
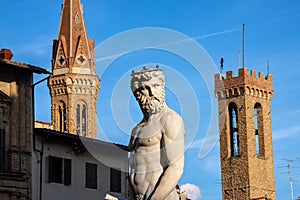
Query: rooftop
5	60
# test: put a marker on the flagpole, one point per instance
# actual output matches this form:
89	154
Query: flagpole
243	46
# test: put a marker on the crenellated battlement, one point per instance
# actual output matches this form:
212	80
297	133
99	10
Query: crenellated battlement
246	82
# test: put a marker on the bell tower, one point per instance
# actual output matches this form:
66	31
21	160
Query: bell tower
74	84
246	149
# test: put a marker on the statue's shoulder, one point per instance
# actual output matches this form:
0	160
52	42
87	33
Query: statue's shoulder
173	127
170	114
137	127
172	120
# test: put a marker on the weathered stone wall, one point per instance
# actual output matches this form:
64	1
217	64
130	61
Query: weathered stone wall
16	121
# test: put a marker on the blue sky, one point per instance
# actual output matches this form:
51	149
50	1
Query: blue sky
272	33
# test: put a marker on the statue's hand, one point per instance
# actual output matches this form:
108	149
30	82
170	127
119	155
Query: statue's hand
139	197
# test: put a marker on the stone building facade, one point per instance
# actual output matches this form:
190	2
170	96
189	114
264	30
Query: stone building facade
246	150
16	127
74	85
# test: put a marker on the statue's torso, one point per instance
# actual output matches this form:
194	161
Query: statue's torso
145	157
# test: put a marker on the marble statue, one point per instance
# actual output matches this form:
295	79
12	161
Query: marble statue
157	142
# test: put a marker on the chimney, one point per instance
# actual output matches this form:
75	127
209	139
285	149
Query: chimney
6	54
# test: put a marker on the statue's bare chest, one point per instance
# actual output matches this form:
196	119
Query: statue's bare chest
149	133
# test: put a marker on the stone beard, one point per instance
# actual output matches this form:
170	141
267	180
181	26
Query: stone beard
157	142
151	104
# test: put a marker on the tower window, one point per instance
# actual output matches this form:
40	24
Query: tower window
78	119
234	137
62	117
65	120
258	130
257	144
81	115
77	18
83	120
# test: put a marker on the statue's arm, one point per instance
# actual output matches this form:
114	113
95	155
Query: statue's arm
131	143
132	139
173	153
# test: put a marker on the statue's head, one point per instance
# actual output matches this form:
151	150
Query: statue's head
147	86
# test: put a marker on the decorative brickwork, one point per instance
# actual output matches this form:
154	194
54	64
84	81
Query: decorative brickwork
74	85
245	124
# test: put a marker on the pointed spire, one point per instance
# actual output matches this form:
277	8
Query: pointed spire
74	84
73	49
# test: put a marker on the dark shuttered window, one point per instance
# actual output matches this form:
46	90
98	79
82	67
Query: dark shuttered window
91	175
115	180
67	171
59	170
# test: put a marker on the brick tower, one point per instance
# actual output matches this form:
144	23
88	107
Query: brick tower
245	124
74	85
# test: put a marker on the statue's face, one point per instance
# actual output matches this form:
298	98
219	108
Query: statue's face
150	94
151	87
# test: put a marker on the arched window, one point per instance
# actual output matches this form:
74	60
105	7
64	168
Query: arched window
62	114
78	119
83	121
234	138
81	115
258	128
